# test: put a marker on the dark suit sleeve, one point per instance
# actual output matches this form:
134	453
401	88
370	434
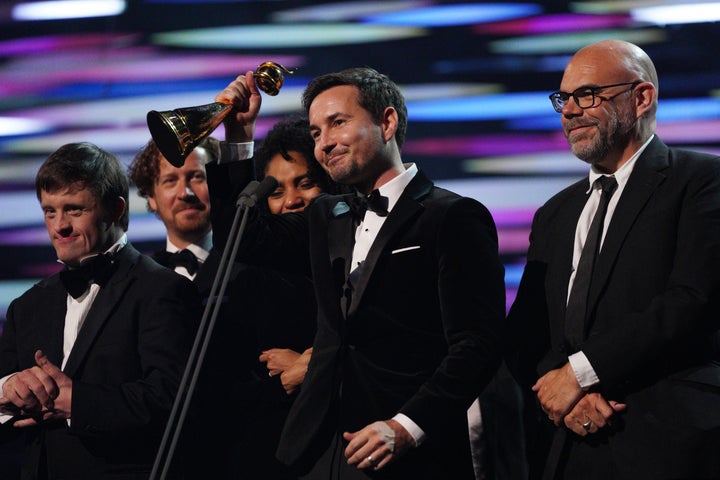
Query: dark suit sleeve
225	182
164	315
526	334
472	301
678	321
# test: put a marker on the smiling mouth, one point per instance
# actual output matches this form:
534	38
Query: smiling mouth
191	209
576	128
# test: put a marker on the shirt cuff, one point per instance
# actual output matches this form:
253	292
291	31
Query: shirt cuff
412	428
5	417
584	372
235	152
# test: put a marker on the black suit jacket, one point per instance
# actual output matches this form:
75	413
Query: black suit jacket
125	365
421	331
262	308
652	336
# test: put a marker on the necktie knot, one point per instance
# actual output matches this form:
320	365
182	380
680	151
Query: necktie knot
96	269
374	202
183	258
607	185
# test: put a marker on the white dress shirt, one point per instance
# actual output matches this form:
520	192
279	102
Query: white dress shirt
584	372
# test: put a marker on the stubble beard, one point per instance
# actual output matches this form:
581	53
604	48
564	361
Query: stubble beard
600	147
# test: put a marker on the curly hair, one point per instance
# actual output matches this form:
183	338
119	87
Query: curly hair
292	134
145	167
377	92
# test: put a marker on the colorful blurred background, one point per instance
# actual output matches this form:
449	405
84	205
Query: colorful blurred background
476	76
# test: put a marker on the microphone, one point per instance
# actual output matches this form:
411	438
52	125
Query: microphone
257	191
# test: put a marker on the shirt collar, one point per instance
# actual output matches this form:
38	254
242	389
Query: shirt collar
622	174
201	249
395	187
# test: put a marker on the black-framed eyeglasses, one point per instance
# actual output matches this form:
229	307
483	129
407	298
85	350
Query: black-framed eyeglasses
586	97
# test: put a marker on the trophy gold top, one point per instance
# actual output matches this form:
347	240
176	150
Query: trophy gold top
269	77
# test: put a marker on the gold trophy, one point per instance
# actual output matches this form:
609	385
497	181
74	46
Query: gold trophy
177	132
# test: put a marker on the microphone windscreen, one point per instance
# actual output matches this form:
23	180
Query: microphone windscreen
265	188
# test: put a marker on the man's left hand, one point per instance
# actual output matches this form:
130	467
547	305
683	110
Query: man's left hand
558	391
377	444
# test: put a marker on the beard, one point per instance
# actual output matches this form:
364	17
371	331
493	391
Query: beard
608	137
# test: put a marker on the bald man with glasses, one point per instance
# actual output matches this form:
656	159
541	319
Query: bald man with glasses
616	319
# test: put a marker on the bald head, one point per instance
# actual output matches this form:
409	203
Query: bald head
623	60
620	81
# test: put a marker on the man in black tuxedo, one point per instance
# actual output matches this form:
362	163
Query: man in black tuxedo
410	298
624	340
90	358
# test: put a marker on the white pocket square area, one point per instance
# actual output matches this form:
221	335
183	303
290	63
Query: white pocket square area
400	250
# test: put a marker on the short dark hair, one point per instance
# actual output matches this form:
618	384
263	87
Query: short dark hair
292	134
92	167
145	167
377	92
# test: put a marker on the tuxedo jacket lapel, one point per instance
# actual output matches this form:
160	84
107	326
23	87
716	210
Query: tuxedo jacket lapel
103	306
406	208
341	239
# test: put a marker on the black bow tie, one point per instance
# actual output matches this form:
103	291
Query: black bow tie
183	258
373	202
96	269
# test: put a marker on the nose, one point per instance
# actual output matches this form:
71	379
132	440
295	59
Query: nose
185	191
571	108
294	202
62	224
325	143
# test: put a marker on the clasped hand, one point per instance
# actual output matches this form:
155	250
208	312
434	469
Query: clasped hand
377	444
565	402
38	394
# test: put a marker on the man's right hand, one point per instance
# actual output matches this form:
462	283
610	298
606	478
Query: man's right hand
243	94
30	390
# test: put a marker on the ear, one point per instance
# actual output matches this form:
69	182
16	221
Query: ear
389	123
117	210
152	203
644	98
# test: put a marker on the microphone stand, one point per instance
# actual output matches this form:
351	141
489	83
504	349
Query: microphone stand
248	198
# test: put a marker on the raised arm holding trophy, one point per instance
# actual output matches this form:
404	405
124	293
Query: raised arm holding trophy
177	133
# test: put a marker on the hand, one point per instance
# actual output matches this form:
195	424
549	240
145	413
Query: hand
595	409
278	359
377	444
30	390
60	408
294	376
243	94
558	391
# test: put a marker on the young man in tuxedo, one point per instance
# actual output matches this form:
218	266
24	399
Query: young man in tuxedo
91	357
410	297
620	346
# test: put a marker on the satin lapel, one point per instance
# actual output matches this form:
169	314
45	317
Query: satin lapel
643	182
406	208
340	233
103	306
